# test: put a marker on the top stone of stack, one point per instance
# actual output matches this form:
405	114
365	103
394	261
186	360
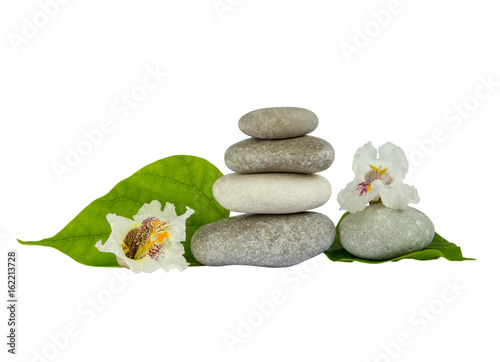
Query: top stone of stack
278	123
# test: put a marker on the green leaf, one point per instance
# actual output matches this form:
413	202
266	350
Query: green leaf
180	180
439	247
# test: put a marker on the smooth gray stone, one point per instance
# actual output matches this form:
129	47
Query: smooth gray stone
271	193
278	122
380	233
263	240
305	154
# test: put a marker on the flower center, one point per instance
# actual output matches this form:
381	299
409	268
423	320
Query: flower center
145	238
377	173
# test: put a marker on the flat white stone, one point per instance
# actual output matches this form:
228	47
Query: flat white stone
271	193
380	233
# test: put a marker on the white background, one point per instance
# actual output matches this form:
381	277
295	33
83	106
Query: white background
427	58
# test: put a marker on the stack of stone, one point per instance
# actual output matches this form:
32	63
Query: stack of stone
274	185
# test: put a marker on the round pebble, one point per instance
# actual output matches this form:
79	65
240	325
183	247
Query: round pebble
263	240
278	122
271	193
380	233
305	154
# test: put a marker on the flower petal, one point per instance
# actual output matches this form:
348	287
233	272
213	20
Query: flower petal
399	195
150	265
350	198
175	261
177	226
147	210
363	158
178	262
120	226
169	257
136	266
394	159
168	213
121	262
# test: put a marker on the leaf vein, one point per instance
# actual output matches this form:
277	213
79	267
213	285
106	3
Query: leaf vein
189	170
186	185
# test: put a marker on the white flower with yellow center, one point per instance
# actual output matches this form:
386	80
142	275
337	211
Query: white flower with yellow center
150	241
378	179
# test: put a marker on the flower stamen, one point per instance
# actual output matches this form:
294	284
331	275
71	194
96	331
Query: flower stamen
161	231
378	170
378	174
141	239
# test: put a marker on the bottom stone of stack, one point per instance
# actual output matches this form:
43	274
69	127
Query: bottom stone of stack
263	240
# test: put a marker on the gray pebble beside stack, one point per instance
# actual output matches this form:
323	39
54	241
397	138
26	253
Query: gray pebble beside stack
380	233
274	182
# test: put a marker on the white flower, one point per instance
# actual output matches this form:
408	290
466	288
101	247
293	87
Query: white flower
378	179
150	241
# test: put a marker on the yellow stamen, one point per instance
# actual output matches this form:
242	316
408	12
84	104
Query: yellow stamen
158	235
145	248
378	170
162	236
161	231
368	189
